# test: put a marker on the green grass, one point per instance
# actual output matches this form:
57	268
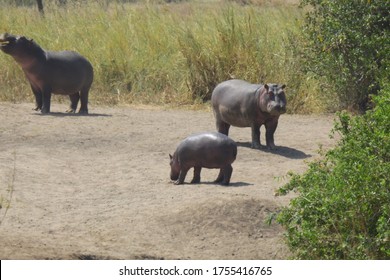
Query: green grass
167	54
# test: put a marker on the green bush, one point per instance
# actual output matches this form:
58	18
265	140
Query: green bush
343	207
349	46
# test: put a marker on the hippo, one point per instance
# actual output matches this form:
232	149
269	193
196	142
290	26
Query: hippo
64	72
242	104
207	149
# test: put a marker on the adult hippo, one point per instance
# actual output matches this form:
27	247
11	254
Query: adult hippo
209	150
242	104
48	72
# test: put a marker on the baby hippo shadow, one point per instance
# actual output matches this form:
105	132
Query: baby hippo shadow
280	150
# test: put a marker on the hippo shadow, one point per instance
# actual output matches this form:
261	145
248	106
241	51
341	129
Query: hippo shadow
280	150
64	114
231	184
237	185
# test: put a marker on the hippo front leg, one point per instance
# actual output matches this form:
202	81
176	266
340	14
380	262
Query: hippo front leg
46	100
38	99
182	177
270	129
256	136
196	179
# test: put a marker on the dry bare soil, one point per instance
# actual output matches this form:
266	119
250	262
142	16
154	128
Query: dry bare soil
98	187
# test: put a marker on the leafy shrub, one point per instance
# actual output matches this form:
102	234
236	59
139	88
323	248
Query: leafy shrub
349	43
343	207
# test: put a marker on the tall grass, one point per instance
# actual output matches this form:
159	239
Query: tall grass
166	53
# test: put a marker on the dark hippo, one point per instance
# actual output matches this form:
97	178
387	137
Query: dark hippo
209	150
241	104
64	72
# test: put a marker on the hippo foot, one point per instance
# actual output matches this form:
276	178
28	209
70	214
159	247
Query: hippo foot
83	112
221	181
195	181
177	182
256	146
218	180
271	148
70	110
37	108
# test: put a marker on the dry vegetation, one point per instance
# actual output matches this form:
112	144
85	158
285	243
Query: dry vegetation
169	54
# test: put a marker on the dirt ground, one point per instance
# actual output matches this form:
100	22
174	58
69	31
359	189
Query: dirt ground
98	187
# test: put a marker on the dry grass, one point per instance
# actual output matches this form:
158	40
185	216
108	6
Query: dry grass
166	54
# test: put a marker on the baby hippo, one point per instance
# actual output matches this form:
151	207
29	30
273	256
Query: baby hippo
209	150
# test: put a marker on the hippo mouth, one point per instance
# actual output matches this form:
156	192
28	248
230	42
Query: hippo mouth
4	44
276	110
5	41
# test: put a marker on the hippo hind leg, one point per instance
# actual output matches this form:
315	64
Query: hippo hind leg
84	100
223	127
74	101
224	175
255	136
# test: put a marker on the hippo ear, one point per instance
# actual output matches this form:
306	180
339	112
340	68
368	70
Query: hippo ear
283	86
170	156
266	87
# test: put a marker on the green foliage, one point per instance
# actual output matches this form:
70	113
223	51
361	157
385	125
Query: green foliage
349	46
343	207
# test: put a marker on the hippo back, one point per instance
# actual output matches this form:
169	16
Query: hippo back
210	149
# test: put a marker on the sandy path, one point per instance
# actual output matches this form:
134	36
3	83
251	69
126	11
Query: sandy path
98	186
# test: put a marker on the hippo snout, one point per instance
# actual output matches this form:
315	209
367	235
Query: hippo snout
5	42
276	109
281	108
174	177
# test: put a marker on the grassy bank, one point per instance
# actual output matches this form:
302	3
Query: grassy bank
167	53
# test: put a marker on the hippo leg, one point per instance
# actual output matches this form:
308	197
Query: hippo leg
182	176
269	134
74	101
256	136
38	99
223	127
224	175
84	101
196	178
46	99
220	176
